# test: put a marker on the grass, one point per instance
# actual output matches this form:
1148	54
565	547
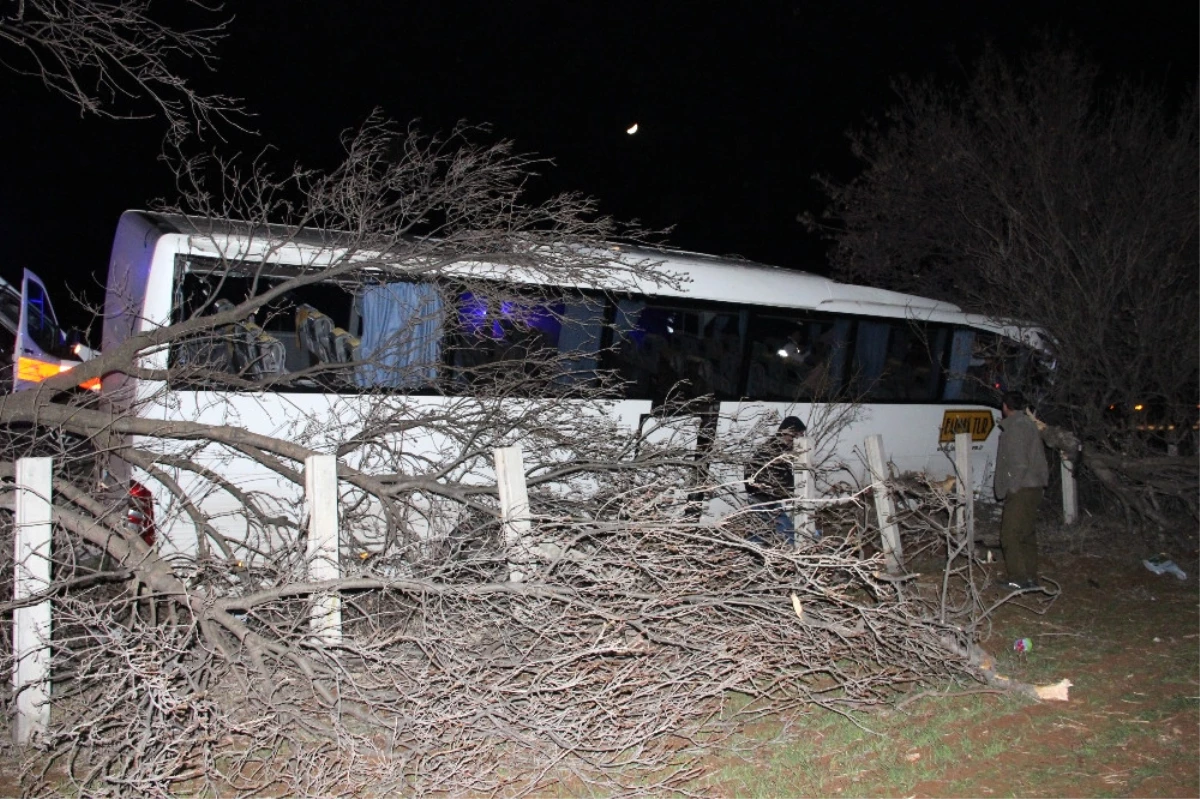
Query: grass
827	754
1130	727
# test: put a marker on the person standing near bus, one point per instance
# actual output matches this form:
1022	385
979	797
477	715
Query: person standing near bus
770	482
1021	475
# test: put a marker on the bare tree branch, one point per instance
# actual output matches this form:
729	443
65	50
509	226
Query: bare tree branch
1046	192
117	60
192	665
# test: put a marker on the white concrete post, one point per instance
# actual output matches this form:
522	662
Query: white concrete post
965	485
324	563
805	488
1070	497
514	507
31	574
885	505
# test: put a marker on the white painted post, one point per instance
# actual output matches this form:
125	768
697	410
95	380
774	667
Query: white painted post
965	485
514	507
805	487
324	563
885	505
31	574
1070	497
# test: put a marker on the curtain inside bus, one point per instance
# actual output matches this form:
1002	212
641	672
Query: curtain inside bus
870	355
960	361
579	340
401	337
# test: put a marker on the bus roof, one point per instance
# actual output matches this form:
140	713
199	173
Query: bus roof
701	276
763	284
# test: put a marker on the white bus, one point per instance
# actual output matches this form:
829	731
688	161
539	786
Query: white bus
758	342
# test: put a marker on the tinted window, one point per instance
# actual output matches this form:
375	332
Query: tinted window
514	335
984	365
796	356
661	347
898	360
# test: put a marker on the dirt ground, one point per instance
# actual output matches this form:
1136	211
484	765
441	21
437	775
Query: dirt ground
1129	641
1126	638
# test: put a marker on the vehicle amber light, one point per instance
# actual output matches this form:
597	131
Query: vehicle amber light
36	371
32	370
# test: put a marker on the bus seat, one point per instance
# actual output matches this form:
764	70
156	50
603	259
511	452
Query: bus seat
257	354
346	348
271	356
314	331
242	335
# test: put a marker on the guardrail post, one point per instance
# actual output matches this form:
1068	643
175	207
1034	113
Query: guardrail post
1069	495
31	575
324	562
885	505
514	507
805	488
965	485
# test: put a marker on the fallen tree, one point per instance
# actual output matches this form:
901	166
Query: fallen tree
640	631
618	665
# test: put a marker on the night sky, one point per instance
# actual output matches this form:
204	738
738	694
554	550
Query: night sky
737	107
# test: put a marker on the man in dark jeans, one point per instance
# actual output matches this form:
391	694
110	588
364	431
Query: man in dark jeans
1021	474
770	483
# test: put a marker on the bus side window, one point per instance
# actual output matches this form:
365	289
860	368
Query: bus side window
795	357
898	360
915	361
580	339
668	347
995	366
268	344
870	359
514	333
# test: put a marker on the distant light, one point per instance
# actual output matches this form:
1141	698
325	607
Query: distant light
1138	407
782	353
632	129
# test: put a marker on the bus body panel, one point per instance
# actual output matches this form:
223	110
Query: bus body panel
323	423
141	294
910	441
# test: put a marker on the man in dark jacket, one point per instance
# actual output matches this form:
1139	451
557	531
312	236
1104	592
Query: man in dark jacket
1021	474
770	482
